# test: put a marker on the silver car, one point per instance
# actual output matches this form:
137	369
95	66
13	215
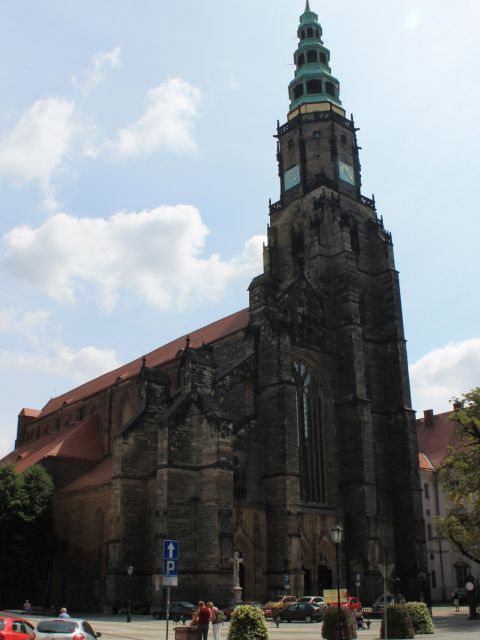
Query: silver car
64	629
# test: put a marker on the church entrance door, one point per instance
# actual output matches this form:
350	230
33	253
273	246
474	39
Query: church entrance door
324	578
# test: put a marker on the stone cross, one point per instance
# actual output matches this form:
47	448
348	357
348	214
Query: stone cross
236	560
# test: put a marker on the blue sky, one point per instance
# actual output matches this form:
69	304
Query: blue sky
137	160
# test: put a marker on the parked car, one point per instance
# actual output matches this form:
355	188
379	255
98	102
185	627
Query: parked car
74	628
180	610
279	602
352	603
13	627
312	600
299	611
377	606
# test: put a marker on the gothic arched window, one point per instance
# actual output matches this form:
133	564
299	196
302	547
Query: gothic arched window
310	434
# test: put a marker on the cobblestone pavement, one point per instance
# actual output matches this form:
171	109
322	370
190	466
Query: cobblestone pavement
448	626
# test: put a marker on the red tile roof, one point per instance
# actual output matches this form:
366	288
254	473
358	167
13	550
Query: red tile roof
101	474
435	439
78	441
211	333
29	413
424	462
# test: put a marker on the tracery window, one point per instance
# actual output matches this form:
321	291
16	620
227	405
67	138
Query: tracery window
310	435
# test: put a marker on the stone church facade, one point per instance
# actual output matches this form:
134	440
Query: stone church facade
261	431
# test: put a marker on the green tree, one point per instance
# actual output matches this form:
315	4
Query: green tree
460	475
26	534
248	623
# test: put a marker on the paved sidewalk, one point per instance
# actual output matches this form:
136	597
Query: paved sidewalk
448	626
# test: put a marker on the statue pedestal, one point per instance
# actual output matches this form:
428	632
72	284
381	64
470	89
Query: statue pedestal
237	594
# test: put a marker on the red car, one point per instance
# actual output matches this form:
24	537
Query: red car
14	628
353	604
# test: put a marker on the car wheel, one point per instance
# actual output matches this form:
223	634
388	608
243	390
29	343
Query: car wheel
308	619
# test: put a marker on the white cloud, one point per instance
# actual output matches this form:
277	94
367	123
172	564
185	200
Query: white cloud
17	323
102	61
444	373
37	351
167	122
414	18
154	255
38	143
58	359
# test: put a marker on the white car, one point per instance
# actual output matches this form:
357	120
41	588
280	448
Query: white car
64	629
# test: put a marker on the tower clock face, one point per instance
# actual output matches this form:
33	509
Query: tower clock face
346	172
291	177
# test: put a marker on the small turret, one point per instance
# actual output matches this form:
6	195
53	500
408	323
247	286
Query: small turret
313	83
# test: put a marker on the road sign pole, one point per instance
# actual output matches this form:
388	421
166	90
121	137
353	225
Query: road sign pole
170	573
167	611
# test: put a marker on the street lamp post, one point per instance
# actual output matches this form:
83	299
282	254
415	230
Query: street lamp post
337	534
130	574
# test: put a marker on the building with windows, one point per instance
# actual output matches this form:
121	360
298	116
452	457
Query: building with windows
448	569
263	430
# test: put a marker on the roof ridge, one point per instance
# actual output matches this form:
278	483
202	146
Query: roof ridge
131	369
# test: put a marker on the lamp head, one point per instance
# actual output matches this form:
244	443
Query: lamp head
130	570
337	533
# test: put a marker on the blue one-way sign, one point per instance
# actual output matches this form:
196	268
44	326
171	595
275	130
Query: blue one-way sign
170	549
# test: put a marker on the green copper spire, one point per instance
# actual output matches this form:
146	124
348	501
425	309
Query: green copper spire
313	81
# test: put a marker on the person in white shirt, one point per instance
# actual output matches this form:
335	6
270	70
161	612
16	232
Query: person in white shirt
215	621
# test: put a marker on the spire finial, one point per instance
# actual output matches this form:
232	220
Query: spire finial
187	342
307	7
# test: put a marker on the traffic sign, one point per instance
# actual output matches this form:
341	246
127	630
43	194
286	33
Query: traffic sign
170	567
170	549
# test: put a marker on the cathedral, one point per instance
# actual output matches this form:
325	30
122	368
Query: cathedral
260	432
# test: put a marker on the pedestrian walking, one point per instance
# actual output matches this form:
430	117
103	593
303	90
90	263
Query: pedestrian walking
202	620
217	619
27	608
456	600
63	613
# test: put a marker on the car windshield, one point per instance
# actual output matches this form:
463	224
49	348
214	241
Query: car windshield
57	626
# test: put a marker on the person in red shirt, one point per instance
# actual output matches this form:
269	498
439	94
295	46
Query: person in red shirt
202	619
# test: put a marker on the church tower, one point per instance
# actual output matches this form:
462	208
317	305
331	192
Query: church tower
333	388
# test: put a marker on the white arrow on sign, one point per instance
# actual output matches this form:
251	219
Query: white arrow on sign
171	549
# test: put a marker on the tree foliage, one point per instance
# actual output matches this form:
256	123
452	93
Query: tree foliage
399	624
333	618
26	538
420	617
248	623
460	475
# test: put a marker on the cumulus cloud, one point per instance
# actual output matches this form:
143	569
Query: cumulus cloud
102	62
38	143
166	123
444	373
414	18
154	255
60	360
17	323
37	351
